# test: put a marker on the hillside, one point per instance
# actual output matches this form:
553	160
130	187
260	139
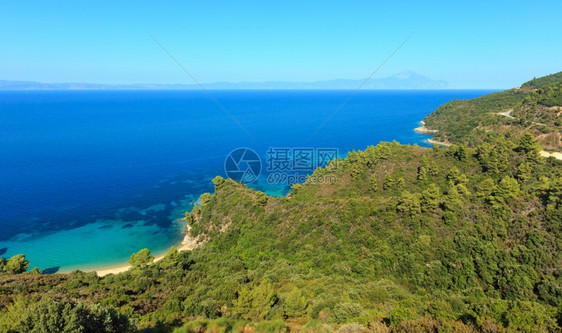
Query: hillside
535	107
407	239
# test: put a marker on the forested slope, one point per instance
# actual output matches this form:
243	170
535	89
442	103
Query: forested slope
395	238
407	239
535	107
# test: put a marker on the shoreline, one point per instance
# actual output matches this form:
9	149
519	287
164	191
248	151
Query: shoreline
423	129
440	143
187	244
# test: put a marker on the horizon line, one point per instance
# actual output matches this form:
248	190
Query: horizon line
189	86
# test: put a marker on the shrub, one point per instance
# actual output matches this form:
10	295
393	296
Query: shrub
343	312
141	258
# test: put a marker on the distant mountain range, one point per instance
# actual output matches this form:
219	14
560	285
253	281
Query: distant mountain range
402	80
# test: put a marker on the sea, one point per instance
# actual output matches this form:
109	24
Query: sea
89	177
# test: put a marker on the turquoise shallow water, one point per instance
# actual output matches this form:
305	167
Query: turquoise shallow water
104	242
102	239
89	177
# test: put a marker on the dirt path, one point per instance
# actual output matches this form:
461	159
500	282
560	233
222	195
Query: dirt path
507	114
544	153
555	154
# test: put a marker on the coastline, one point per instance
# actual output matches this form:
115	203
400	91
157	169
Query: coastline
423	129
440	143
187	244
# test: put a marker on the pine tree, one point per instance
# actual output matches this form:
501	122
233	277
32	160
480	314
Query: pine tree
373	185
430	198
453	200
399	184
433	169
260	199
462	179
422	169
205	198
492	164
486	188
426	167
526	143
483	152
356	170
461	154
452	150
141	258
507	190
523	172
409	204
388	183
16	264
555	193
218	181
503	161
453	174
295	303
530	147
188	218
422	173
255	303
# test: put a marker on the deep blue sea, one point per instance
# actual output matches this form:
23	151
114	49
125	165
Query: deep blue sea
89	177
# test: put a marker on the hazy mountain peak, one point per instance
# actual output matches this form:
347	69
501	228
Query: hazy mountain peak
404	75
401	80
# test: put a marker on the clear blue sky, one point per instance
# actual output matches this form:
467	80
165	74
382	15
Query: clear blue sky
470	44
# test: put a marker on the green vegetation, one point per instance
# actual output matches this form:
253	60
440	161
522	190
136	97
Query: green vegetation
408	239
540	112
15	265
535	107
141	258
464	121
49	315
542	81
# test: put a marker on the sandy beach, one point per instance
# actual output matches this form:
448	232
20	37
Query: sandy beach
423	129
188	243
446	144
